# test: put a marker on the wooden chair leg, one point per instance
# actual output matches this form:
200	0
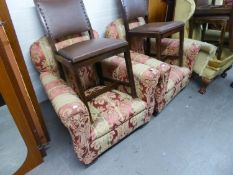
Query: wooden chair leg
158	48
130	73
181	49
191	25
221	41
76	74
148	47
61	70
99	71
204	84
203	31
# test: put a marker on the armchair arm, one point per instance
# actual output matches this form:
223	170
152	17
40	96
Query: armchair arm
73	114
146	78
170	47
164	70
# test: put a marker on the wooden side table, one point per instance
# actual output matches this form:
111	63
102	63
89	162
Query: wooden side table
219	21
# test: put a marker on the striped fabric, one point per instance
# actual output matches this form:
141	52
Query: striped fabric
109	111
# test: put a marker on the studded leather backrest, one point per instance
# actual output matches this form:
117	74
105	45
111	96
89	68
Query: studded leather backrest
62	18
135	8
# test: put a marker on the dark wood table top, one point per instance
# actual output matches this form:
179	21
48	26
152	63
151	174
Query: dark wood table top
213	10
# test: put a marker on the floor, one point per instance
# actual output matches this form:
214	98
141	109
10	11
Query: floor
192	136
13	150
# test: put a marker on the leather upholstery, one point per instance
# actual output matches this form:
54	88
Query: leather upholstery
135	8
58	21
157	28
88	49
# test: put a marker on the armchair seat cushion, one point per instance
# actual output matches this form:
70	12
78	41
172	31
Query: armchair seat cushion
111	110
91	48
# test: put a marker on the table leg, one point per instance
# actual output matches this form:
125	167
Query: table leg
221	41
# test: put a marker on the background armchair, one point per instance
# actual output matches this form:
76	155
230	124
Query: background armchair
173	78
207	66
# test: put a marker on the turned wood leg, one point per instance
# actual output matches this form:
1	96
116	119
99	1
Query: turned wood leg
129	68
204	84
221	41
181	48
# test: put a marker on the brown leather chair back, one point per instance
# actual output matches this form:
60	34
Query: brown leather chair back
133	9
62	18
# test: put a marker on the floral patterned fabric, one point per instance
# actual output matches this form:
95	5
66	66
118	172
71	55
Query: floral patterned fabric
90	140
175	90
117	30
145	77
169	46
170	75
43	59
115	115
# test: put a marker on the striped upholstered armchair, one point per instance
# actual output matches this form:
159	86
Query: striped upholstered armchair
115	113
173	78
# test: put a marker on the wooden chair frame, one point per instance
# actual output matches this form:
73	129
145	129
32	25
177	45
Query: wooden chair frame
15	94
209	18
158	37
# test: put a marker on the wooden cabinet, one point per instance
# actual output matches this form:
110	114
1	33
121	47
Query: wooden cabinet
157	10
161	10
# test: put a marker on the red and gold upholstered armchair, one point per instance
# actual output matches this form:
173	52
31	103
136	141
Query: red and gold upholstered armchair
173	78
115	113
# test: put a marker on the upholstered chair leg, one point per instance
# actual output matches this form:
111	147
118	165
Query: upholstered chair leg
224	74
232	84
204	84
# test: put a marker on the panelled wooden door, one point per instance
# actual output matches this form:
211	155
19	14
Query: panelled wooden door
37	119
16	97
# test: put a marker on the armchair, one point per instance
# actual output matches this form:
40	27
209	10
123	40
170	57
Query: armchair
173	78
207	65
115	113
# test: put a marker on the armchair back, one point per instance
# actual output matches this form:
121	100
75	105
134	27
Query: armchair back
43	57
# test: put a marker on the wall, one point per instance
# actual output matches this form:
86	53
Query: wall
28	28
